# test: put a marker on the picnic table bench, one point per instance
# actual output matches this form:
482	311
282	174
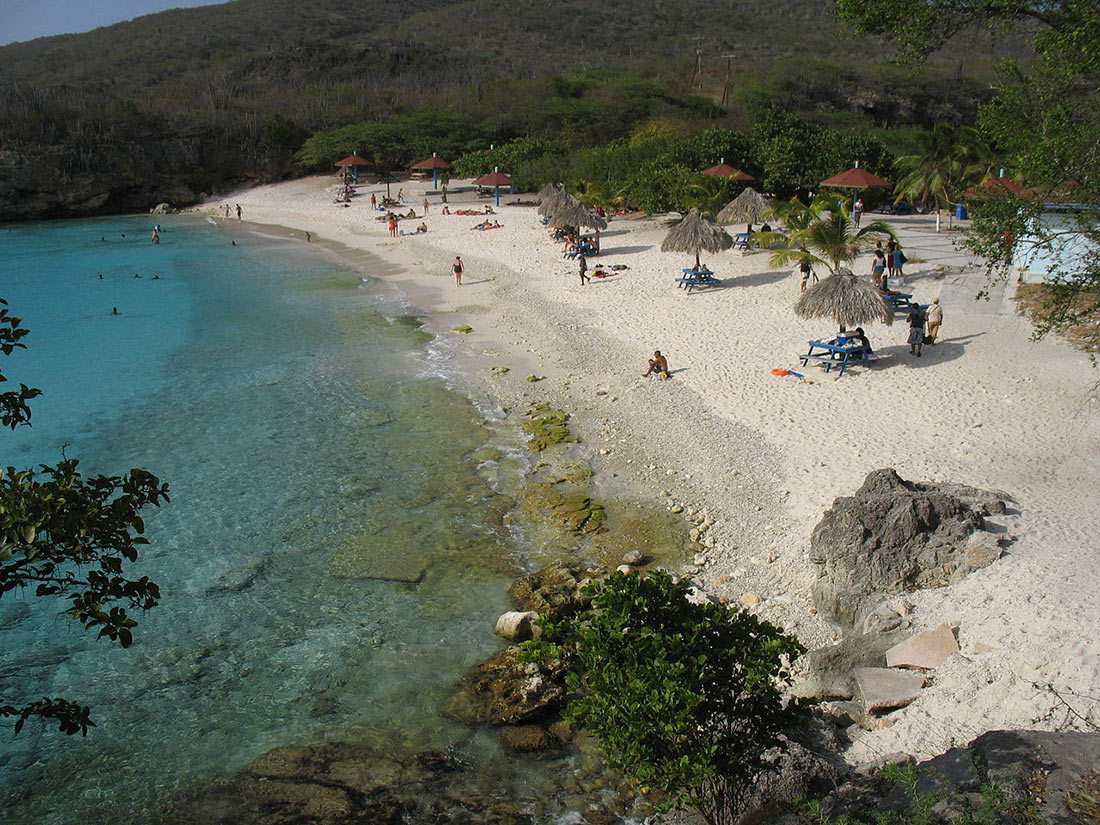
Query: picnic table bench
741	240
900	301
834	354
697	278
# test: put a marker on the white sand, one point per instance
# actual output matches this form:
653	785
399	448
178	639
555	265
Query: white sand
766	455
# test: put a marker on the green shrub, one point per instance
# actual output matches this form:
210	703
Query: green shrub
686	698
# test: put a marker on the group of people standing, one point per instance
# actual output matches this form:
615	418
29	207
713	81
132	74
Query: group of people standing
887	263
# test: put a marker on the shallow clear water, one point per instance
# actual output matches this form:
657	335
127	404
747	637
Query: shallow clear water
308	447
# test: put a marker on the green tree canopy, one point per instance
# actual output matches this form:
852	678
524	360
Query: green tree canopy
69	536
686	697
1044	118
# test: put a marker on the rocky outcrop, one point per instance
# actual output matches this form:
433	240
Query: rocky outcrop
505	690
555	590
831	669
341	783
895	535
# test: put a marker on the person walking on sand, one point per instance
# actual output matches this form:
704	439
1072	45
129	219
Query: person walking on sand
915	319
658	366
457	268
807	270
373	201
400	195
227	215
934	316
425	206
393	225
857	211
582	262
239	211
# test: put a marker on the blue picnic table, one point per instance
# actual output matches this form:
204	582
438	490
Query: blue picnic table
833	353
900	301
697	278
741	240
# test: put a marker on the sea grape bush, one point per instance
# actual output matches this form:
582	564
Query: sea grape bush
685	697
69	536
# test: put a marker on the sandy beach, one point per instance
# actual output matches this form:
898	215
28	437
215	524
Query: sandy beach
765	455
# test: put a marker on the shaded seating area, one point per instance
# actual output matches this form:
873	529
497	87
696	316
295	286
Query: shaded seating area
838	352
741	240
697	277
900	301
586	248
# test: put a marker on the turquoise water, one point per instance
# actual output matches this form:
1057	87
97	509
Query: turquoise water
310	446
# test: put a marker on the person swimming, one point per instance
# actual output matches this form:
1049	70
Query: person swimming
114	311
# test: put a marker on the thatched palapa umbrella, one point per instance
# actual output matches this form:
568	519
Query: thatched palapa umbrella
696	234
748	207
848	300
551	197
570	212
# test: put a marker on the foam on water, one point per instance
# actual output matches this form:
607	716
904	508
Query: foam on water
312	440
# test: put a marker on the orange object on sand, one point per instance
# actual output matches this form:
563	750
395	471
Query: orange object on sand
780	371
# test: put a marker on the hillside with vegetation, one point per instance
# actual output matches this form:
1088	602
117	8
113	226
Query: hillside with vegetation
196	101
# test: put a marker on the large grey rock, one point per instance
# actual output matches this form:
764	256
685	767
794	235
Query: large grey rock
831	672
926	650
893	536
884	689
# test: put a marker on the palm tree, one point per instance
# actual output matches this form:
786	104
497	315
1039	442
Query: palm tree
945	161
822	233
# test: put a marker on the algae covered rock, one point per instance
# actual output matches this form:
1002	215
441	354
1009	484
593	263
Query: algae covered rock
547	426
555	590
504	690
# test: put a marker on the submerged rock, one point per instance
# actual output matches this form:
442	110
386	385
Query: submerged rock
341	783
547	426
503	690
895	535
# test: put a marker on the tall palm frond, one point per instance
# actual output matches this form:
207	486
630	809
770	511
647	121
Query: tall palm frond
822	235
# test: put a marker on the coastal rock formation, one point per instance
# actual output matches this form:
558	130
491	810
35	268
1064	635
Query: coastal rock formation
1055	774
503	690
554	590
832	668
895	535
340	783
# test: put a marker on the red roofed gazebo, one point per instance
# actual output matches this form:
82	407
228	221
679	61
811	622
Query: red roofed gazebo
857	179
353	162
724	170
495	179
994	187
435	164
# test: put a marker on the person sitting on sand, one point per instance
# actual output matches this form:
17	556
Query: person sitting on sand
412	213
421	229
446	210
658	366
488	210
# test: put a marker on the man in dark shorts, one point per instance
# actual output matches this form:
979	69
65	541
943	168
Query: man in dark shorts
658	366
915	319
582	262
